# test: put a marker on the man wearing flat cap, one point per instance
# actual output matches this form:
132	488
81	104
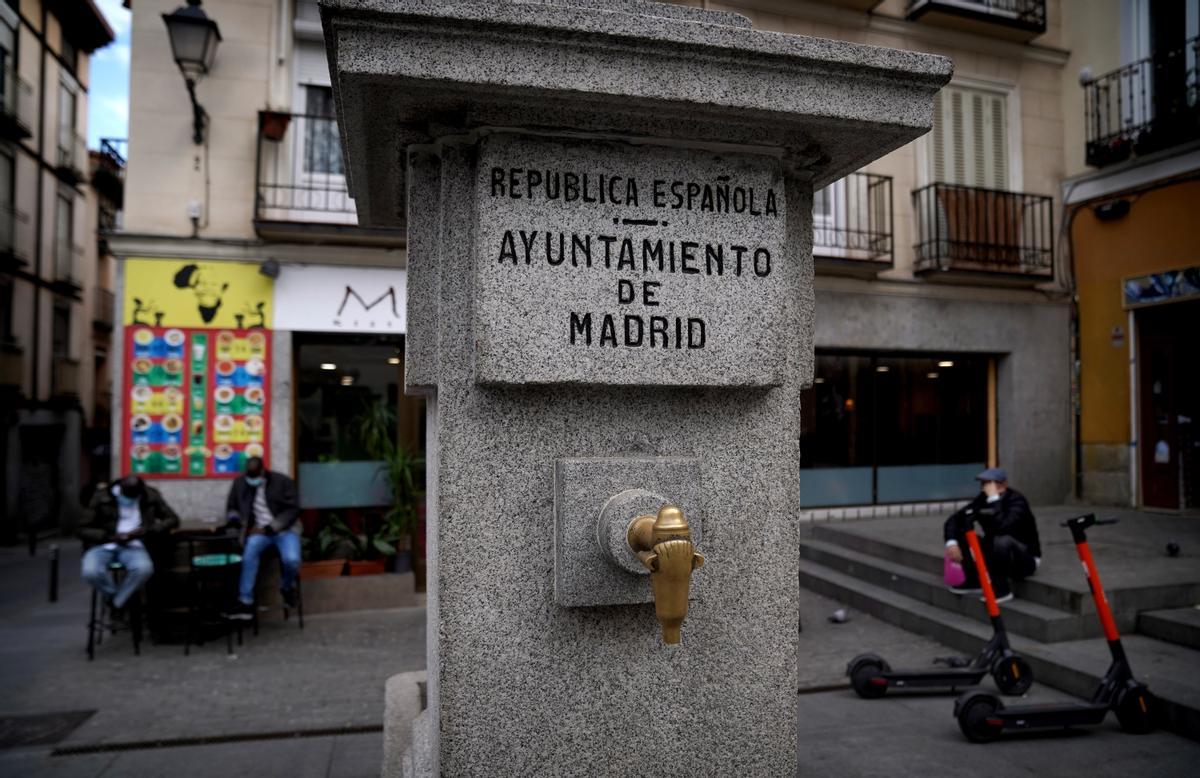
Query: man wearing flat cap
1008	534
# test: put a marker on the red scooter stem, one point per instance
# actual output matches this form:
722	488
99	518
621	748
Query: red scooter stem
1089	567
985	581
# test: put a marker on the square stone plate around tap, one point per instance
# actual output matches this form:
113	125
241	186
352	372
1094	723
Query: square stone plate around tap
585	572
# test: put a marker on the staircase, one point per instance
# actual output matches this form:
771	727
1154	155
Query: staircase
892	569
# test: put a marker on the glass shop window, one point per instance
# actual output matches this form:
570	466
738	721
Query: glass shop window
886	428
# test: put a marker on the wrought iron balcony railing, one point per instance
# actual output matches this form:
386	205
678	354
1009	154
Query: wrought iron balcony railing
104	306
1020	20
969	230
108	170
68	262
852	223
115	149
300	174
1146	106
72	162
16	105
16	236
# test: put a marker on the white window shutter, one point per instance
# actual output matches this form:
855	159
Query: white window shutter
969	142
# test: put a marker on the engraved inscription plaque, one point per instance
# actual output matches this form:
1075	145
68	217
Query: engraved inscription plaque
613	263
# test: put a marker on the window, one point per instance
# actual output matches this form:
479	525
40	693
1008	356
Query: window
322	149
8	214
885	428
969	141
8	48
70	54
343	382
64	237
66	123
60	331
6	310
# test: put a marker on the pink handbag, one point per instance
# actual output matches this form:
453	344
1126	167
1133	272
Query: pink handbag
952	572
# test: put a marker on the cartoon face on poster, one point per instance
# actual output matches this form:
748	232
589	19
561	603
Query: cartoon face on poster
197	294
196	383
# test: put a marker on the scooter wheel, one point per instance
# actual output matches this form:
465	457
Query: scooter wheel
867	681
1135	710
1012	675
976	718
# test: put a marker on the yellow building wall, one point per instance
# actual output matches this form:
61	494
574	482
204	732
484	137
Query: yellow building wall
1161	232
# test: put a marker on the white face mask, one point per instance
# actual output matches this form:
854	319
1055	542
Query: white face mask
993	497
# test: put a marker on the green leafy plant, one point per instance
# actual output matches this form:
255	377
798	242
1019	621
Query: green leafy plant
402	468
328	541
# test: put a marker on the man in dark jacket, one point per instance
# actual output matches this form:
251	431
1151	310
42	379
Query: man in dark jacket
119	518
1008	535
264	505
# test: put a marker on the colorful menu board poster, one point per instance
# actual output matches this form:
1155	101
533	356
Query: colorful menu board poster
197	398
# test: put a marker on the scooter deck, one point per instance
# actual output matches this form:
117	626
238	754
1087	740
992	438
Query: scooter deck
1051	715
932	679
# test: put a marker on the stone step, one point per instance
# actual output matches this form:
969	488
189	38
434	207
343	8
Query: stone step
1075	667
1059	587
1031	619
1175	625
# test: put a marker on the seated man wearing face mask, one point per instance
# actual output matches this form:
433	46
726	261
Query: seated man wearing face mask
120	518
1008	534
264	505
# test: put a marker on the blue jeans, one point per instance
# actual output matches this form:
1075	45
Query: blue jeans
138	569
288	545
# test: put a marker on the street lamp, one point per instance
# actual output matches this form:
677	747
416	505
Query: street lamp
194	39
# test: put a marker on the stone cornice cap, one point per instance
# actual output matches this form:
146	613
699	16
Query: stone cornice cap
409	72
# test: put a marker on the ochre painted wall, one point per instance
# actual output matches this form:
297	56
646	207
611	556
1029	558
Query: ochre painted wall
1161	232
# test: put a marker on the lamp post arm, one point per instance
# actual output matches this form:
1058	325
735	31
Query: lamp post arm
199	115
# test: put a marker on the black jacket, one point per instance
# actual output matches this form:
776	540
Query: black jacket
281	499
1010	515
100	521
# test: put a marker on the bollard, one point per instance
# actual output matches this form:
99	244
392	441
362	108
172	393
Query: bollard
54	573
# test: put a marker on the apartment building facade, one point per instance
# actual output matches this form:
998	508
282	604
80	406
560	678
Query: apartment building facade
257	317
47	263
1132	193
942	318
943	312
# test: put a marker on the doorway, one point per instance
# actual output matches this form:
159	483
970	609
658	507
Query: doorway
1169	404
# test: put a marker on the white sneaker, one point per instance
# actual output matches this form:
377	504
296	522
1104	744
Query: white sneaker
1001	598
966	590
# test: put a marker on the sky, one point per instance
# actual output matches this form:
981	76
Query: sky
108	92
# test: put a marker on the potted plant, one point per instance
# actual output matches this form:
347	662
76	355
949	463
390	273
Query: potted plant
319	551
273	124
404	470
366	553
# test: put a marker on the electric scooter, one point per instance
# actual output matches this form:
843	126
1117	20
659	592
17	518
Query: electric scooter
871	676
983	717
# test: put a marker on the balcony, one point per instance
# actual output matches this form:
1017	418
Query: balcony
64	378
71	163
108	170
1015	20
301	184
68	262
16	238
12	365
1147	106
967	234
16	105
103	309
852	225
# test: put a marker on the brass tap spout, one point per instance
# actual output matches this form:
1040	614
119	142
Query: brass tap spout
664	544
